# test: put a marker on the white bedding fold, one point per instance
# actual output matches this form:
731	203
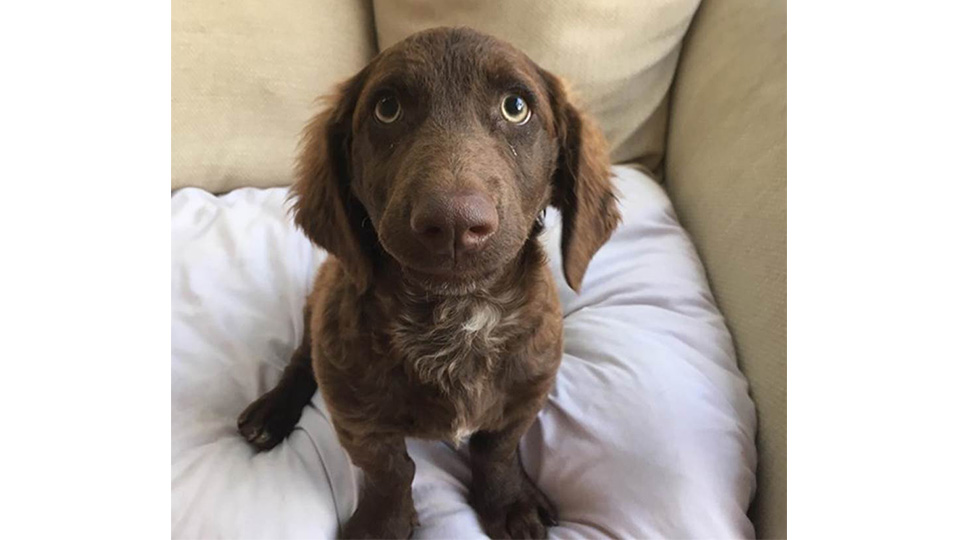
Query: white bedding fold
647	433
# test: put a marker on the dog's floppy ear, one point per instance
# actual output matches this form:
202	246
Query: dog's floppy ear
323	205
582	190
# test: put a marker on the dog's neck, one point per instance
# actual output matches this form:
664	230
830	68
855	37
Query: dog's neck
455	342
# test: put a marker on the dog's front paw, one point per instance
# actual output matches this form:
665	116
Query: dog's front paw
528	516
381	521
267	421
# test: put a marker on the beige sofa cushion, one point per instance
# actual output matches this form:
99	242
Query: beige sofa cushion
726	172
620	55
245	76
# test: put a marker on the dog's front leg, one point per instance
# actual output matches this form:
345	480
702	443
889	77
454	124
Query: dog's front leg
506	500
386	507
267	421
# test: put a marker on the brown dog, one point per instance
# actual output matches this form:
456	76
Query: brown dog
436	317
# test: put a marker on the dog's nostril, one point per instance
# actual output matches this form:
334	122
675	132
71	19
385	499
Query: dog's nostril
433	230
481	230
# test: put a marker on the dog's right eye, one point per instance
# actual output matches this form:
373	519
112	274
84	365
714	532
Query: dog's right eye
387	110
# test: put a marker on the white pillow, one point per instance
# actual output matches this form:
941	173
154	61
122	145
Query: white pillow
649	431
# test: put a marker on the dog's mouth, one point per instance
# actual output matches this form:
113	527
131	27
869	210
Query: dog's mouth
445	273
455	273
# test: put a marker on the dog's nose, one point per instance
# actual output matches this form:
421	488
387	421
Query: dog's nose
460	221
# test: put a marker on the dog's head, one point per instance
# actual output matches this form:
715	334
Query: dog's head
442	153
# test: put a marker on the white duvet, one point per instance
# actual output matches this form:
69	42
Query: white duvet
648	433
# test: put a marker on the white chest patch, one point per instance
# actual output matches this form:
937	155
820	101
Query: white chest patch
483	319
455	344
455	340
462	434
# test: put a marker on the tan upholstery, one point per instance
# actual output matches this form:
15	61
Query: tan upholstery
726	172
619	55
246	74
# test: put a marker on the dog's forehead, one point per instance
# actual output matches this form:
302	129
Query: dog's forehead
457	60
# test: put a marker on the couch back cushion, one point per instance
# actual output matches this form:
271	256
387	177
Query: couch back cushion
726	172
245	77
618	55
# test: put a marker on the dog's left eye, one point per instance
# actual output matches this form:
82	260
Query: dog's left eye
514	109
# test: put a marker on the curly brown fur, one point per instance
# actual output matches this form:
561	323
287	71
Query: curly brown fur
407	340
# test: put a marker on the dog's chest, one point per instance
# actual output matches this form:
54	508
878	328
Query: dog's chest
456	346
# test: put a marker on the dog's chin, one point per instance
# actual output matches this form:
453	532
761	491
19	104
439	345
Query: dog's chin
444	276
449	282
